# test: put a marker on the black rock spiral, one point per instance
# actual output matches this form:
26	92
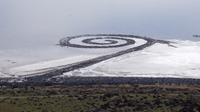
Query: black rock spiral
109	42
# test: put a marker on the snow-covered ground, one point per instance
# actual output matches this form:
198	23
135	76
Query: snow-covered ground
159	60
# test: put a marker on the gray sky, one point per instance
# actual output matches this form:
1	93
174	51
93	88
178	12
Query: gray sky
43	22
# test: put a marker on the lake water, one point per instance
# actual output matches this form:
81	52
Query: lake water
42	23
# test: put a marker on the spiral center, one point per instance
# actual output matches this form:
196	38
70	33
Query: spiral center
98	42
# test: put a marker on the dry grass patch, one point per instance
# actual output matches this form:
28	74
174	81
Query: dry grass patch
125	86
172	86
108	86
95	86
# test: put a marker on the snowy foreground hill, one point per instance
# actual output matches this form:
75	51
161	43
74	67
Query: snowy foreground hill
158	60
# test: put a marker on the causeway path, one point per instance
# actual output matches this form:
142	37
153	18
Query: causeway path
66	42
48	76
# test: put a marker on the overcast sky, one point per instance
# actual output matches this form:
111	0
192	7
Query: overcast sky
26	23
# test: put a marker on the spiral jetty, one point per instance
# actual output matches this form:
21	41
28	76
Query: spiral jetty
48	78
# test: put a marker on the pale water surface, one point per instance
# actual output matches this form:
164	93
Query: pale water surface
25	23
